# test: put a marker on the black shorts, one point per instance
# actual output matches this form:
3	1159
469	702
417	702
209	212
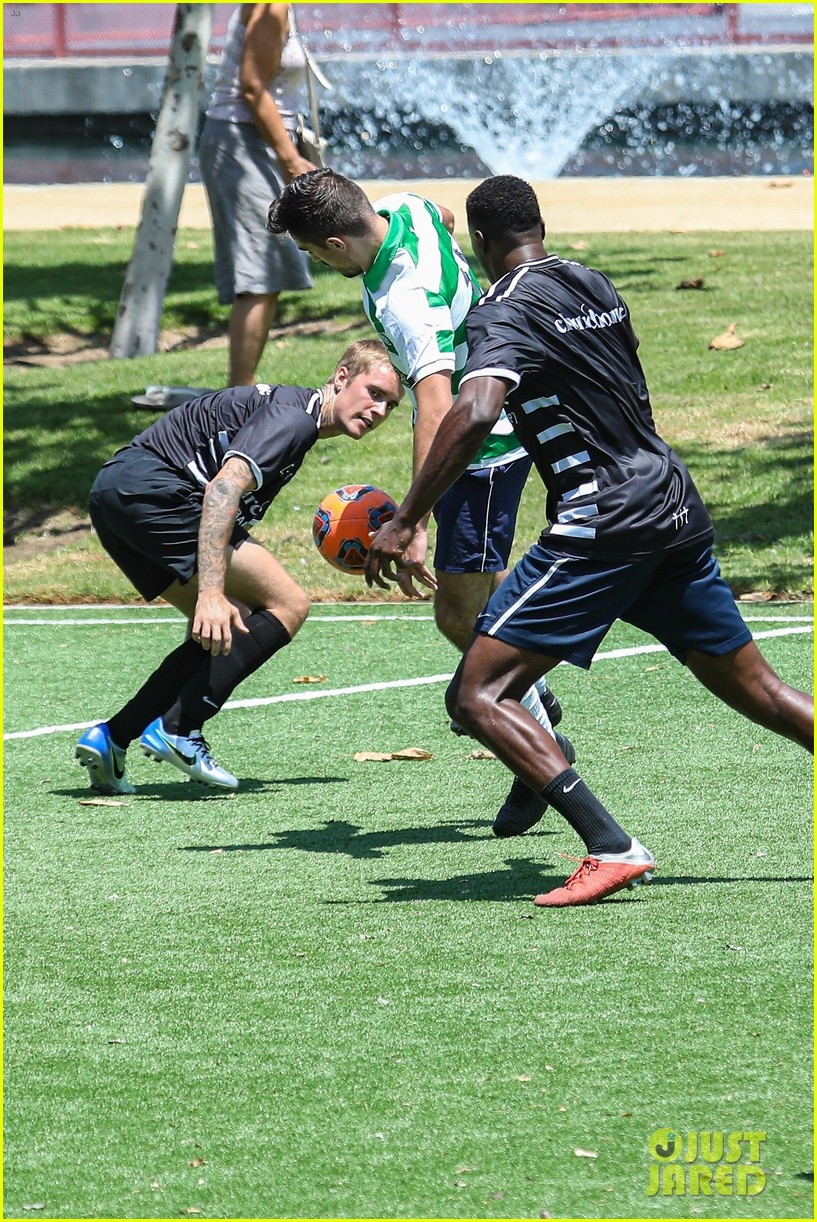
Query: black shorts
563	606
147	518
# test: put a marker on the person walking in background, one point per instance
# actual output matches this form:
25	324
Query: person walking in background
172	509
627	537
417	292
247	152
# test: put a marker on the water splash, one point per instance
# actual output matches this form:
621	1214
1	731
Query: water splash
526	116
531	114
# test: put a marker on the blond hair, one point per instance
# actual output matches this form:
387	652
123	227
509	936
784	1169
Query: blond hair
363	356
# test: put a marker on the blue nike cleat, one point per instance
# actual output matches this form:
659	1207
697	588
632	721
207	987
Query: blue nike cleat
105	762
187	752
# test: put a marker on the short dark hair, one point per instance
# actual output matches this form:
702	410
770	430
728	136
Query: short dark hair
503	205
321	205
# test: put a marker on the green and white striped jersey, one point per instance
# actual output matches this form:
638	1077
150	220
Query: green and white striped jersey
417	295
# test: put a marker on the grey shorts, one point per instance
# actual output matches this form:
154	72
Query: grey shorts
242	176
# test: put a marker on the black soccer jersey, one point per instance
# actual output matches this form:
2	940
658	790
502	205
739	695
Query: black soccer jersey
560	333
270	427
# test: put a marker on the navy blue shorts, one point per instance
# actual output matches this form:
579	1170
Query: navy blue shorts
476	519
147	517
564	606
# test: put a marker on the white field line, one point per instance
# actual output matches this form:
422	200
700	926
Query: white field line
151	621
167	607
261	701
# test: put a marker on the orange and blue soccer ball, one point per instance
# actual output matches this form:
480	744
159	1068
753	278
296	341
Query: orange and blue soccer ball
344	522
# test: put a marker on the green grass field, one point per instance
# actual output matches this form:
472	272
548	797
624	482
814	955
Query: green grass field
330	995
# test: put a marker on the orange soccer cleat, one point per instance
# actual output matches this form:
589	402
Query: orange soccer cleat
597	877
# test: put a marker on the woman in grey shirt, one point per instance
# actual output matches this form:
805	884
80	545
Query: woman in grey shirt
247	154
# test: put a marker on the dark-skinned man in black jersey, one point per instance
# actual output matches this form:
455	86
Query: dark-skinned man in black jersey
628	536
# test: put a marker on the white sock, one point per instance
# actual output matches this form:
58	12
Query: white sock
533	703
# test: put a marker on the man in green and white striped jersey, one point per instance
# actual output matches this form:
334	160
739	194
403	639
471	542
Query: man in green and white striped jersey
417	292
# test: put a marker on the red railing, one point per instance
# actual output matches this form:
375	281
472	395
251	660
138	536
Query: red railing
138	30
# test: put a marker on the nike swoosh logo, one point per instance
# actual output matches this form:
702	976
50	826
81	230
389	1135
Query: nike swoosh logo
117	771
212	703
567	788
186	759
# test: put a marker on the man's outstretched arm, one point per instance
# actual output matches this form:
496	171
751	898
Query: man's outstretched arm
461	433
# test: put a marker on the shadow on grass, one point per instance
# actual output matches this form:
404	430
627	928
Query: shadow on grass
180	790
522	879
338	836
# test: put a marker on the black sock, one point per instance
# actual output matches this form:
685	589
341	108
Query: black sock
206	691
584	812
156	694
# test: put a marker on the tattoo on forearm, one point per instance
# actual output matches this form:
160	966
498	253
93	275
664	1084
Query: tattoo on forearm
218	515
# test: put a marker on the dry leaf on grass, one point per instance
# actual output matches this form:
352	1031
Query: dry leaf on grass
756	596
383	757
716	254
697	282
727	339
580	1153
310	679
579	245
101	802
481	754
197	1162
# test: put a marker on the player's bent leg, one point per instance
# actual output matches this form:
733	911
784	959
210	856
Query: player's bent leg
484	695
523	807
257	579
277	607
458	601
745	681
493	676
183	598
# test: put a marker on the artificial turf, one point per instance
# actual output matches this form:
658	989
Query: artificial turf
330	995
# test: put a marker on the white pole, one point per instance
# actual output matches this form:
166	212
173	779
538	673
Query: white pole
136	329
